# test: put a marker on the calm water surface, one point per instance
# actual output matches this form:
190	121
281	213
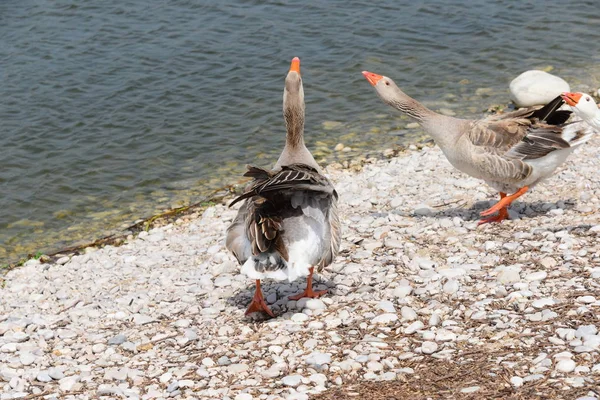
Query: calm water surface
115	110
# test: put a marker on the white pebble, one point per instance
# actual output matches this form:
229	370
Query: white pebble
566	365
429	347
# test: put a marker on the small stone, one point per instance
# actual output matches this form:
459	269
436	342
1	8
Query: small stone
414	327
292	380
318	359
402	291
408	313
586	330
386	306
450	287
548	262
385	319
66	334
429	347
27	358
566	365
541	303
536	276
444	335
299	317
43	377
315	304
56	374
67	384
117	340
423	210
222	281
207	362
237	368
435	319
166	377
316	325
243	396
477	315
142	319
533	377
516	381
508	275
224	360
183	323
470	389
63	260
586	299
9	348
186	383
98	348
374	366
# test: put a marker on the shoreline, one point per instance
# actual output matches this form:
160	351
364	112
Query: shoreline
418	288
189	211
337	154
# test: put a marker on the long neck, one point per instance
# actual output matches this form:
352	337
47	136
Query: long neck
293	113
444	130
595	121
409	106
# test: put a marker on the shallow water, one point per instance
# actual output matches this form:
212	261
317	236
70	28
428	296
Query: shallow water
116	110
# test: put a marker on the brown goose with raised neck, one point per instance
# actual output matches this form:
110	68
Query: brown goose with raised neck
288	221
511	152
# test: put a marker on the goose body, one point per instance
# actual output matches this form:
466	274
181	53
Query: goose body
287	223
511	152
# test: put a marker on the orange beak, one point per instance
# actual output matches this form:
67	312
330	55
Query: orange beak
371	77
295	65
571	98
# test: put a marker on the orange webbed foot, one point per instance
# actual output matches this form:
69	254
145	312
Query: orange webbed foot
258	303
502	215
308	292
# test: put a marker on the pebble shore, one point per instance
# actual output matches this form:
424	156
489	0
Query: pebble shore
417	282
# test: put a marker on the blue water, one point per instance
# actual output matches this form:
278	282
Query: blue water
115	110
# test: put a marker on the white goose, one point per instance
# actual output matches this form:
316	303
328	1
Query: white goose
511	152
288	223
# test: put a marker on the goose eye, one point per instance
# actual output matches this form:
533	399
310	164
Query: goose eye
387	83
587	99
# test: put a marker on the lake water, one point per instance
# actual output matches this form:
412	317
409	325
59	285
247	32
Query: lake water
115	110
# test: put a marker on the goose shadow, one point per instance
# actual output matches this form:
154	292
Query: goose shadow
521	209
280	290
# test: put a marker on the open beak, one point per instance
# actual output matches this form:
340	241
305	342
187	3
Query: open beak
371	77
571	98
295	65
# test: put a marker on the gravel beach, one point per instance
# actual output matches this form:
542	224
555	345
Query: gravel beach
422	302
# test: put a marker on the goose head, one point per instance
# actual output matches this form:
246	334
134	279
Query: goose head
583	105
384	86
293	93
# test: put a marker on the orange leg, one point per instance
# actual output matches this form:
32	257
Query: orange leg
258	302
308	292
505	202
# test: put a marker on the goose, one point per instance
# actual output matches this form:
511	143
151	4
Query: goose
288	221
584	106
511	152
